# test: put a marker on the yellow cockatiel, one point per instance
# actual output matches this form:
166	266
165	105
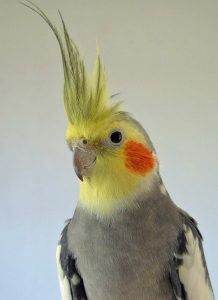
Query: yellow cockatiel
127	240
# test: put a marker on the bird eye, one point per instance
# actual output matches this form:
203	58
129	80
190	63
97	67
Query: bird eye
116	137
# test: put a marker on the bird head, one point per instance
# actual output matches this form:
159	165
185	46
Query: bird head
114	160
112	154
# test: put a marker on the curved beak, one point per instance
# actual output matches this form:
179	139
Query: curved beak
83	161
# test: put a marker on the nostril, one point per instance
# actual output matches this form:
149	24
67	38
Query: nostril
84	141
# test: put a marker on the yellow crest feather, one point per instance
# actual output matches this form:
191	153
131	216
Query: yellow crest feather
85	99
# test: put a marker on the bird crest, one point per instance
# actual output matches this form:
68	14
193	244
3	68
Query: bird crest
86	97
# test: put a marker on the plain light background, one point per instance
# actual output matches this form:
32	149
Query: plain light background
162	56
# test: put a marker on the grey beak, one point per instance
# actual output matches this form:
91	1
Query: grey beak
83	161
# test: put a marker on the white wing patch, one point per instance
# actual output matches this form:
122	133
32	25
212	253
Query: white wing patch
192	272
63	281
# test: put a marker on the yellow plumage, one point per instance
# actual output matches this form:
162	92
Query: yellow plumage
92	116
86	98
111	186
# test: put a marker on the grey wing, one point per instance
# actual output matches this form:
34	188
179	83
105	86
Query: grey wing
189	275
70	281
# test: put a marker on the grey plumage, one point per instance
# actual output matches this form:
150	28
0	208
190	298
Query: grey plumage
132	255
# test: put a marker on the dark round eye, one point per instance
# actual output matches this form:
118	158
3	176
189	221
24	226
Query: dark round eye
116	137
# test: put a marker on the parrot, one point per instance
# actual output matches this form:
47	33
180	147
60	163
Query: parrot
127	239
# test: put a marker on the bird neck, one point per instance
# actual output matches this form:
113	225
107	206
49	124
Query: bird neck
106	195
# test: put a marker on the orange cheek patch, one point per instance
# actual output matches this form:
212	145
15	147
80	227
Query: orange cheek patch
138	158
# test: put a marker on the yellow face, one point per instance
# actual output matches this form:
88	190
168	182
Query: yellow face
124	163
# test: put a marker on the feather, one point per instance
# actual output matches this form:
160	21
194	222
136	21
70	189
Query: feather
189	275
63	280
86	98
192	272
70	281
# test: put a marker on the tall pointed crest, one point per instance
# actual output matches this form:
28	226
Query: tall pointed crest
85	98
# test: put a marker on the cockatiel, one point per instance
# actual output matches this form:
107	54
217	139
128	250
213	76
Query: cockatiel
127	240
